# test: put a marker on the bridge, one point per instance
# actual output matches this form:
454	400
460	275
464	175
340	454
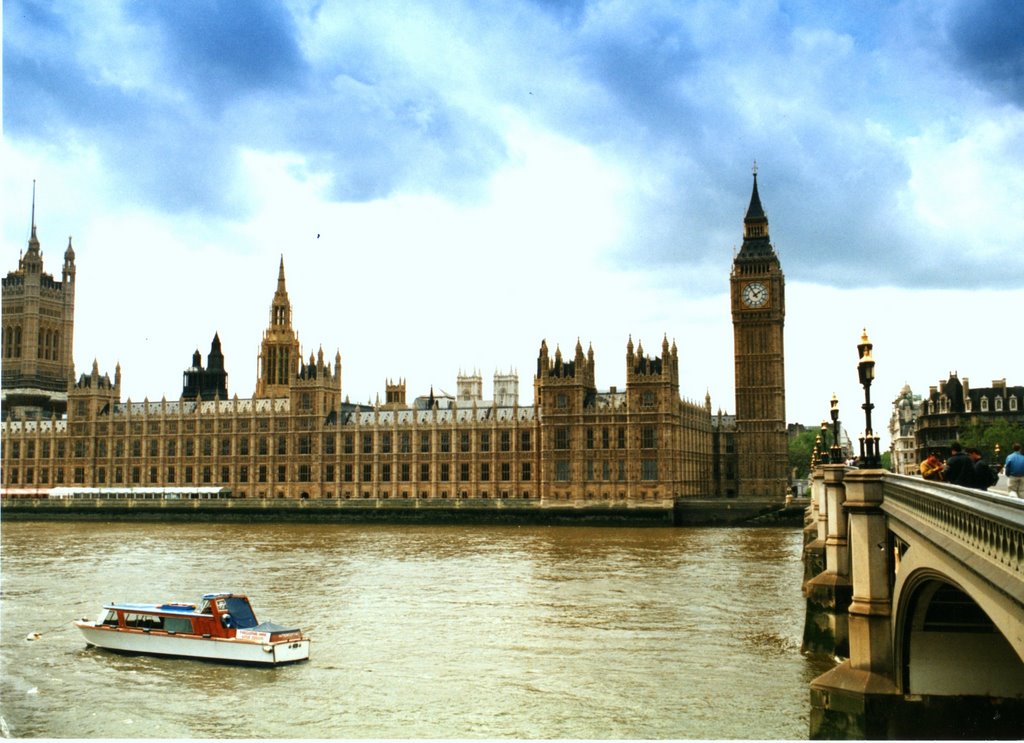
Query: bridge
920	587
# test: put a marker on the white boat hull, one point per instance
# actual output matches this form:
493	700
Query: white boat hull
229	650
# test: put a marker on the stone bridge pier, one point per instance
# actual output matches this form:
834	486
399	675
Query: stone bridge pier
922	595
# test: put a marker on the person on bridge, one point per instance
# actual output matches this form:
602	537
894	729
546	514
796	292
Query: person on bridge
959	468
1014	469
981	475
931	468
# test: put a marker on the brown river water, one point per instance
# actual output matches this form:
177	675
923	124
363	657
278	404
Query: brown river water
418	632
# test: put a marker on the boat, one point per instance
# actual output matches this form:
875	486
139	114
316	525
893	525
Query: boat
222	627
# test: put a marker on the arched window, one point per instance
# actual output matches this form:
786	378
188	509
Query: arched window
999	404
1013	404
17	342
984	404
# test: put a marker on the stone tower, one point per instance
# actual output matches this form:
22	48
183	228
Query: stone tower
38	333
279	351
757	289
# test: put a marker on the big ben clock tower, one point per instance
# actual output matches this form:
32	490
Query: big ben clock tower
757	288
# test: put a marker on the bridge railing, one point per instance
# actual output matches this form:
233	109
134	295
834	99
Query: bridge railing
990	525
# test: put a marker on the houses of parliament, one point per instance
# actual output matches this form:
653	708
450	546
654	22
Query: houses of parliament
297	437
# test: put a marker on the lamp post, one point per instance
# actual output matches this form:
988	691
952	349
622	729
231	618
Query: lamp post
866	371
823	439
836	452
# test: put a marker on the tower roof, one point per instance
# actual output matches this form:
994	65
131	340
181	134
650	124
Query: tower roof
756	242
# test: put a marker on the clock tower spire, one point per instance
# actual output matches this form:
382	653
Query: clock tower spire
757	289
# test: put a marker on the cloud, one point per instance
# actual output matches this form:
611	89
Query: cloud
985	37
847	110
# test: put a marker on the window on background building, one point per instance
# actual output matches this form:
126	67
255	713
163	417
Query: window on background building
282	445
562	470
464	471
524	441
330	444
485	441
999	405
506	441
1013	404
424	472
649	469
446	442
562	437
647	437
404	442
464	441
527	471
385	442
984	404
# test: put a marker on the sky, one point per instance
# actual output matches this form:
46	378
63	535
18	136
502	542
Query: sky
450	183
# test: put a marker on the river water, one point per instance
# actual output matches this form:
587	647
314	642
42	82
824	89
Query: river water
418	632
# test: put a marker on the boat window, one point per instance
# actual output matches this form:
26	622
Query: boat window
110	618
206	608
241	613
178	624
143	621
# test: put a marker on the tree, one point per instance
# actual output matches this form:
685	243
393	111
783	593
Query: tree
801	446
985	436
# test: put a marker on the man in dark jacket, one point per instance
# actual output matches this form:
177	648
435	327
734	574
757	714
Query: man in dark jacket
982	476
959	468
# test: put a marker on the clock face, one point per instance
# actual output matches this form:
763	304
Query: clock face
754	294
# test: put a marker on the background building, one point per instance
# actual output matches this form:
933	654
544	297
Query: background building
952	406
297	438
38	334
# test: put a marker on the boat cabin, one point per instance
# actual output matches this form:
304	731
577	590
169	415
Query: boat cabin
225	615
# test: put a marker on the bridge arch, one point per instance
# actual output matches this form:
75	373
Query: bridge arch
951	636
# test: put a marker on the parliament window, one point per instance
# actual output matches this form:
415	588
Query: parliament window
524	441
562	437
367	443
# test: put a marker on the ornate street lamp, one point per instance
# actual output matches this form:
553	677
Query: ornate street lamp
836	452
869	458
823	439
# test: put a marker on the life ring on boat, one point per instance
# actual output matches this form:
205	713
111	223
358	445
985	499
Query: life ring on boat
227	620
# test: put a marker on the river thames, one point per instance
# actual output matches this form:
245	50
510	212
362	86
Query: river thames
418	632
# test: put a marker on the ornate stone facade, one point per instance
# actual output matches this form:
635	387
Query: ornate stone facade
38	334
758	314
296	438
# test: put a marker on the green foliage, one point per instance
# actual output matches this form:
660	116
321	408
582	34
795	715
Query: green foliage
985	436
800	448
887	460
